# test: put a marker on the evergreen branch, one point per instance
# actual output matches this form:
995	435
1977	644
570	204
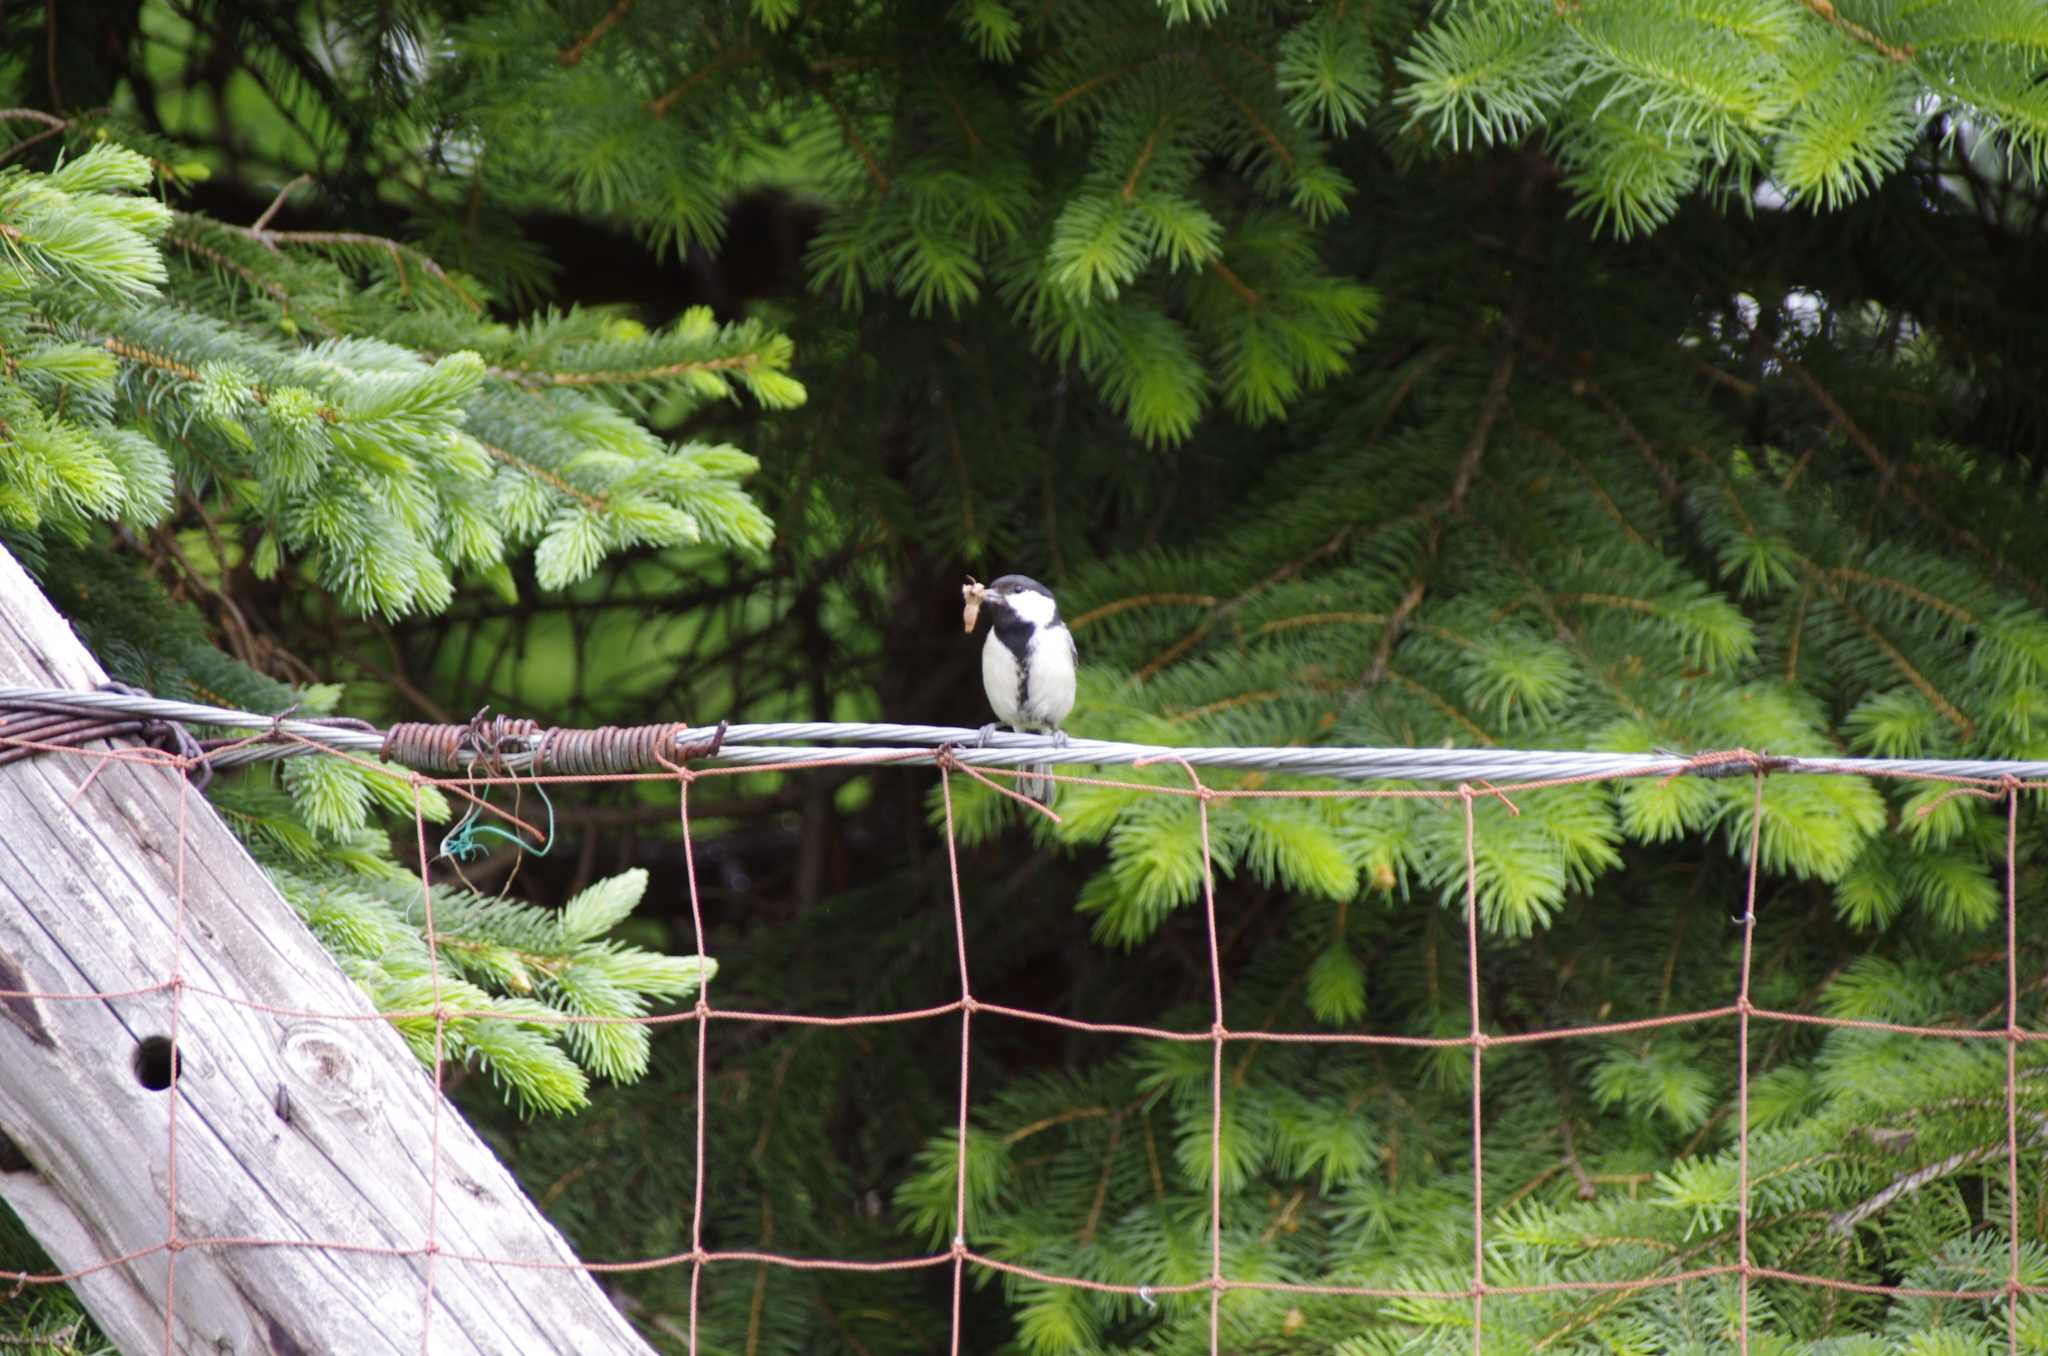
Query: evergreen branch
1443	705
1667	482
121	348
1903	589
277	290
56	127
1076	91
1251	116
1230	703
534	377
1130	189
1843	24
1383	654
1844	1221
1094	1220
731	56
594	502
1896	657
1616	600
1417	370
573	53
1491	405
1599	491
1872	453
853	137
398	251
1141	600
1202	628
1798	635
1322	619
1053	1122
1236	284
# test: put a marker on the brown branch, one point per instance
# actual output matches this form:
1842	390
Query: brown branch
1094	1220
1826	10
853	139
1612	509
1734	383
1250	115
1144	158
1667	482
1444	705
1140	600
278	202
1491	406
1417	370
1238	285
594	502
277	290
1904	590
1086	85
573	53
1383	653
1898	660
526	376
727	59
121	348
396	249
1587	1191
1202	628
1872	453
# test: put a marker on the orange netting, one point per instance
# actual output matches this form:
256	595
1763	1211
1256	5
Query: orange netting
962	1254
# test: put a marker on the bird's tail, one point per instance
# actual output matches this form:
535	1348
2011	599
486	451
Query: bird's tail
1035	781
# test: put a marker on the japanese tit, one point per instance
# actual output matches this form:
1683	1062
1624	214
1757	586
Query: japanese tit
1027	669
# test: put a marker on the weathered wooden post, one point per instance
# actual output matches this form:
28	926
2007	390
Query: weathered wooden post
310	1212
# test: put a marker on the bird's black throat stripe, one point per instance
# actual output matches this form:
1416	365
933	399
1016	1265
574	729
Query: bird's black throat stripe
1015	633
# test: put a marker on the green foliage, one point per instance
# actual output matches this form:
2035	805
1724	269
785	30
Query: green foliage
377	441
376	436
1616	375
1646	101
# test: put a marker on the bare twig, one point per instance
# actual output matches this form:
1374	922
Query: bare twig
277	202
573	53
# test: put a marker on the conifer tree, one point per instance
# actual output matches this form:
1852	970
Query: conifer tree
1611	375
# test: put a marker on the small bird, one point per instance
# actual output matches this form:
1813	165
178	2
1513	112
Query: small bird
1027	669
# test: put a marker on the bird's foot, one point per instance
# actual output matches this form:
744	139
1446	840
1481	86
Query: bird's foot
981	740
1059	738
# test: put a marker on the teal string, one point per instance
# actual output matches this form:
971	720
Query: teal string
464	840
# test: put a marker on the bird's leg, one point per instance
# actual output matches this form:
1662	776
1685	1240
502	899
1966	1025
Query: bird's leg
981	741
1059	738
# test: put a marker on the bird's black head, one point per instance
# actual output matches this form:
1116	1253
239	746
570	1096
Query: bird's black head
1017	583
1023	597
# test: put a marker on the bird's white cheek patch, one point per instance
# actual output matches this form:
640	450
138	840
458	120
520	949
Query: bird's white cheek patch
1033	607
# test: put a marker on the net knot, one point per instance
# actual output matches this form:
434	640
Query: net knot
187	754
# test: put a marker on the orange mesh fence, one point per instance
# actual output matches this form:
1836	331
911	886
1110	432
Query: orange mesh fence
962	1254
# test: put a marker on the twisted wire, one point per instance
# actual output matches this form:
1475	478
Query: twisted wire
524	746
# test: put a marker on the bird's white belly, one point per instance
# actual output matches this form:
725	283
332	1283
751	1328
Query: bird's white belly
1000	678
